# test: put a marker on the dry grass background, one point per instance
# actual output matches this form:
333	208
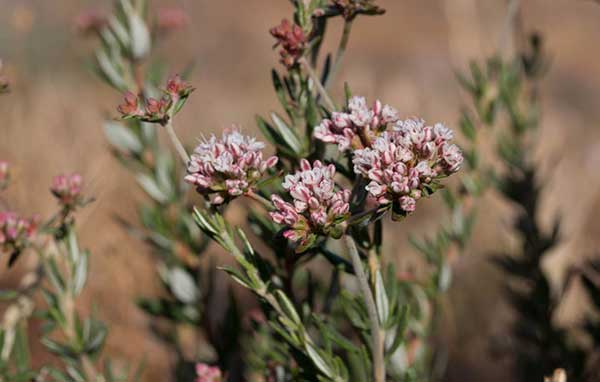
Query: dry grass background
52	123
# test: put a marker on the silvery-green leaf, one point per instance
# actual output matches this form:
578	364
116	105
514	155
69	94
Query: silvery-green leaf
122	137
140	36
183	286
318	360
151	188
119	31
445	277
109	71
383	309
288	135
81	270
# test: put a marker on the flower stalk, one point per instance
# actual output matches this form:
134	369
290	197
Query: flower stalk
376	331
320	88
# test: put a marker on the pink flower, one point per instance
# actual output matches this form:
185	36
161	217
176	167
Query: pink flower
4	175
15	232
67	189
356	127
316	207
222	169
169	19
130	106
293	42
207	373
91	20
404	164
178	88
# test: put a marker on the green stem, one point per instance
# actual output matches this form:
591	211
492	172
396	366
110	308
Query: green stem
260	199
339	56
320	89
376	331
185	158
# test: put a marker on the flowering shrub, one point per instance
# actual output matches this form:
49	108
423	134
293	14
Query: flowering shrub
357	319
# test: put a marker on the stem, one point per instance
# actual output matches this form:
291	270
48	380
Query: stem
340	52
185	158
376	332
509	26
315	78
260	199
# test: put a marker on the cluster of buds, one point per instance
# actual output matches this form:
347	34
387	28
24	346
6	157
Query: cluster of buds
222	169
4	83
316	209
349	9
4	175
15	232
91	21
403	165
357	126
170	19
157	110
293	42
67	189
205	373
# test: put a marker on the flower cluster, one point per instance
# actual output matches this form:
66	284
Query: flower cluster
205	373
224	168
317	208
357	126
169	19
67	189
403	165
157	110
349	9
15	232
4	175
91	21
293	42
4	83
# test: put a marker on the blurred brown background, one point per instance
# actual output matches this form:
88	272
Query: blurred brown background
51	123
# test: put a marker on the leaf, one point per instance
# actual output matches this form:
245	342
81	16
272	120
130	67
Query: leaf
383	308
288	307
287	133
318	361
183	285
151	188
122	137
81	271
140	35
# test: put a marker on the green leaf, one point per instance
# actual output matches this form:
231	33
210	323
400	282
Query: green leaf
183	285
319	361
287	133
383	308
288	307
121	137
151	188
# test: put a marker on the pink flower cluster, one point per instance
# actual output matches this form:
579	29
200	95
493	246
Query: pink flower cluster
205	373
316	209
15	232
67	189
4	175
350	8
293	42
91	21
156	110
222	169
403	165
172	18
357	126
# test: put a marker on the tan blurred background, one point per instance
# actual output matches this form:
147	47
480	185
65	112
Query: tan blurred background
51	123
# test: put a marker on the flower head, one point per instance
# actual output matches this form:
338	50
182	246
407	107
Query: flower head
316	207
67	189
357	126
90	21
404	164
349	9
169	19
152	110
15	232
178	88
4	83
4	175
293	42
227	167
205	373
